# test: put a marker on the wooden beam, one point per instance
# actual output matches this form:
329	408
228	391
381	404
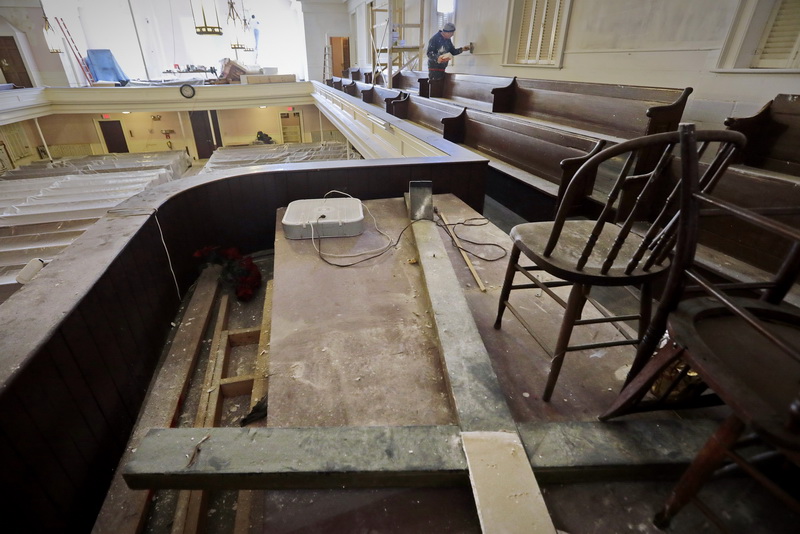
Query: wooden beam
475	390
317	457
259	388
207	408
124	510
235	386
191	504
261	384
244	336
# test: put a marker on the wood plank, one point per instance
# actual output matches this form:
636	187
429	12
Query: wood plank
236	385
260	388
124	510
207	408
474	388
507	495
191	504
244	336
620	449
339	356
261	381
318	457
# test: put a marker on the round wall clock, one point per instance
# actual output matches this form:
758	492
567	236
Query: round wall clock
187	90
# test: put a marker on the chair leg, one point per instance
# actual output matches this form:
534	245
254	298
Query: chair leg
511	270
645	308
575	303
701	469
638	387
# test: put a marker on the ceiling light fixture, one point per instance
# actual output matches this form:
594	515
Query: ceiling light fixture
205	29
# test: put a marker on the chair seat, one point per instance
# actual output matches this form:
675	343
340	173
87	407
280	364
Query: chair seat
724	351
532	238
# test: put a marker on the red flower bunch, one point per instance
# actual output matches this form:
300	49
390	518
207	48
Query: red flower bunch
237	270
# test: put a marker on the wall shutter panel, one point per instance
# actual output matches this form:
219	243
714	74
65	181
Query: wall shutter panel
781	42
540	32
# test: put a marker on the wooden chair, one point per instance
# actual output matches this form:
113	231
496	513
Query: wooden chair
616	249
740	339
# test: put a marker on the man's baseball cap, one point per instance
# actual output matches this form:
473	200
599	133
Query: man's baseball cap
449	27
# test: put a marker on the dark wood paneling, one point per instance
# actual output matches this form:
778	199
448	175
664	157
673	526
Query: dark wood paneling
44	477
525	201
63	445
104	381
117	346
18	505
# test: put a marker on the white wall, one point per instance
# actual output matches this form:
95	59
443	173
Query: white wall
25	24
638	42
148	37
323	19
678	43
675	43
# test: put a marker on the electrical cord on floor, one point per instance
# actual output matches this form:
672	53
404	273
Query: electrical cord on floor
379	252
473	221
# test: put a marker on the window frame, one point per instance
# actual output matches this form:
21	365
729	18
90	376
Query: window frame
514	33
752	22
793	59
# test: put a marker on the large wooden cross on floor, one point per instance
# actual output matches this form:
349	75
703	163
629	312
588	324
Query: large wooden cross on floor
485	447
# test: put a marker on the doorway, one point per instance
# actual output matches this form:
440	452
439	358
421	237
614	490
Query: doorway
340	56
205	129
114	137
12	65
292	126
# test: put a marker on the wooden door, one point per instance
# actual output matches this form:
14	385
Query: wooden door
206	132
340	56
114	137
11	63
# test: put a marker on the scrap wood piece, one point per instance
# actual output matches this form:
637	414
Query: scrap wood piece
451	232
507	495
124	511
261	383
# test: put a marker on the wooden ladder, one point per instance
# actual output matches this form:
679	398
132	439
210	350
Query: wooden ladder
125	511
217	385
75	52
327	67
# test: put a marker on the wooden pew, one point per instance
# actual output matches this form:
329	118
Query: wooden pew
371	94
356	74
542	159
411	81
468	90
594	109
424	111
773	135
754	188
528	159
514	123
380	96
